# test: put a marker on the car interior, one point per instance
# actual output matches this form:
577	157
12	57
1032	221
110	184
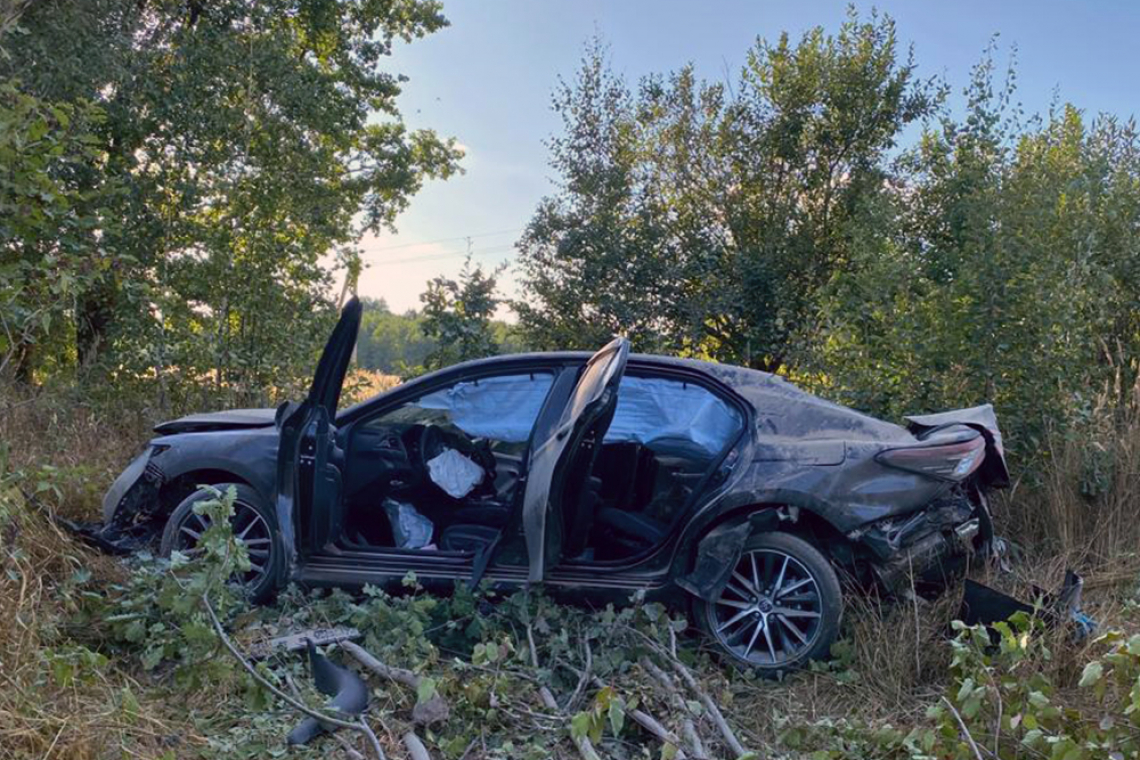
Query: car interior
444	472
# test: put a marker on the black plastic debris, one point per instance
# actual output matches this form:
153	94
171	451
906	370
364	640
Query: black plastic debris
982	605
348	691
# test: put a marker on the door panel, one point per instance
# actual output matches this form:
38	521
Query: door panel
306	443
583	421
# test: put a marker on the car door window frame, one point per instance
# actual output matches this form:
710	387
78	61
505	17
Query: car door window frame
700	492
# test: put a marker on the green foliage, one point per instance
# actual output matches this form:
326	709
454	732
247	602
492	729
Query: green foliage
457	316
398	344
245	141
49	215
158	611
781	223
391	343
703	222
1003	701
1004	279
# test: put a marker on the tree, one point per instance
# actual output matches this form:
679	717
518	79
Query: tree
1010	277
47	216
705	223
392	343
245	135
457	316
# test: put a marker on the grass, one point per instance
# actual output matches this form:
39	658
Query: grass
68	693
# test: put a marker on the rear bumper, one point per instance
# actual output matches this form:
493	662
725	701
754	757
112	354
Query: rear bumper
921	544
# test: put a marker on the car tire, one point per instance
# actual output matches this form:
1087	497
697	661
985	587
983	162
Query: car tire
253	520
790	620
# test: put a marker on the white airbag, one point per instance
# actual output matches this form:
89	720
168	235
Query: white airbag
454	473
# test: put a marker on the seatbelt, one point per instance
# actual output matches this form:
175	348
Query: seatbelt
514	522
483	560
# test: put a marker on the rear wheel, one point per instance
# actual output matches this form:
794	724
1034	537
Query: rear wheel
780	608
252	522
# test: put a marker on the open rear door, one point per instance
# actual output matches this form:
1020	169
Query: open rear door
308	485
584	420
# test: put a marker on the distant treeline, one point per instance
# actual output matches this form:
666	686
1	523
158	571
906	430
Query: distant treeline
396	344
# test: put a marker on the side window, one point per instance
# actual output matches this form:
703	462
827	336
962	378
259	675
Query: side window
500	408
655	408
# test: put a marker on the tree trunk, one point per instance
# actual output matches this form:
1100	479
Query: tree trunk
23	364
94	313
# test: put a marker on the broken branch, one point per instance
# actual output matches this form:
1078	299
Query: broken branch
688	728
275	691
651	724
416	748
714	712
433	710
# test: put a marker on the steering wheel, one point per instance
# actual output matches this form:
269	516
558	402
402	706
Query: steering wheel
430	444
432	441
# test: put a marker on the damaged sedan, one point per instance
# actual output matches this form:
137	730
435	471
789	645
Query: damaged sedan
726	489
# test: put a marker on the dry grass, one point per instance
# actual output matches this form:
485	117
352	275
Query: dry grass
70	450
103	711
1086	505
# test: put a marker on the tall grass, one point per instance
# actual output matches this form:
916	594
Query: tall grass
1084	506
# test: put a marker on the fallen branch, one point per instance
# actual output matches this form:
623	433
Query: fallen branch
714	712
275	691
710	707
651	724
583	743
434	710
688	728
367	730
399	675
416	748
965	731
583	676
348	748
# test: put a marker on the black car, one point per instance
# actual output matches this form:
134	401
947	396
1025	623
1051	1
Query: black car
596	475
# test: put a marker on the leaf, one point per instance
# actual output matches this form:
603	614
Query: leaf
617	716
1091	674
580	725
425	690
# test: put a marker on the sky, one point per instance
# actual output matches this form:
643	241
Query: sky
487	81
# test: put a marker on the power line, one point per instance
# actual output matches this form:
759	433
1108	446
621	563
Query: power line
447	240
440	256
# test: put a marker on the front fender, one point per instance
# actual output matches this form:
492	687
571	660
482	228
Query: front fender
244	457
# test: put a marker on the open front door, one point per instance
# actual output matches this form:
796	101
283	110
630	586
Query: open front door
588	413
308	485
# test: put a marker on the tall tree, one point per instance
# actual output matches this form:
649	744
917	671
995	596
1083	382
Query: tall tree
457	316
702	221
246	135
1011	276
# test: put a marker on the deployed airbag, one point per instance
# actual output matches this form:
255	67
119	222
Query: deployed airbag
500	408
651	408
454	473
410	529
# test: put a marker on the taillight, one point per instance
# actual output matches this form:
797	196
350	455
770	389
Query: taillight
952	461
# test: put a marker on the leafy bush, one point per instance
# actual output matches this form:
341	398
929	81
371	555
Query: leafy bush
159	610
1009	695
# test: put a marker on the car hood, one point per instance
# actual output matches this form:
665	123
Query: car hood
231	419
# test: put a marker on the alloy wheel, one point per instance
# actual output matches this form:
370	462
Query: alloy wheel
769	612
248	526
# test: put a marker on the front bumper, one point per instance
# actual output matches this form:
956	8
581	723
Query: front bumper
133	497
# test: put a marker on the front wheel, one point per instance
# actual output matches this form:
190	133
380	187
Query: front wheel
253	522
780	608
